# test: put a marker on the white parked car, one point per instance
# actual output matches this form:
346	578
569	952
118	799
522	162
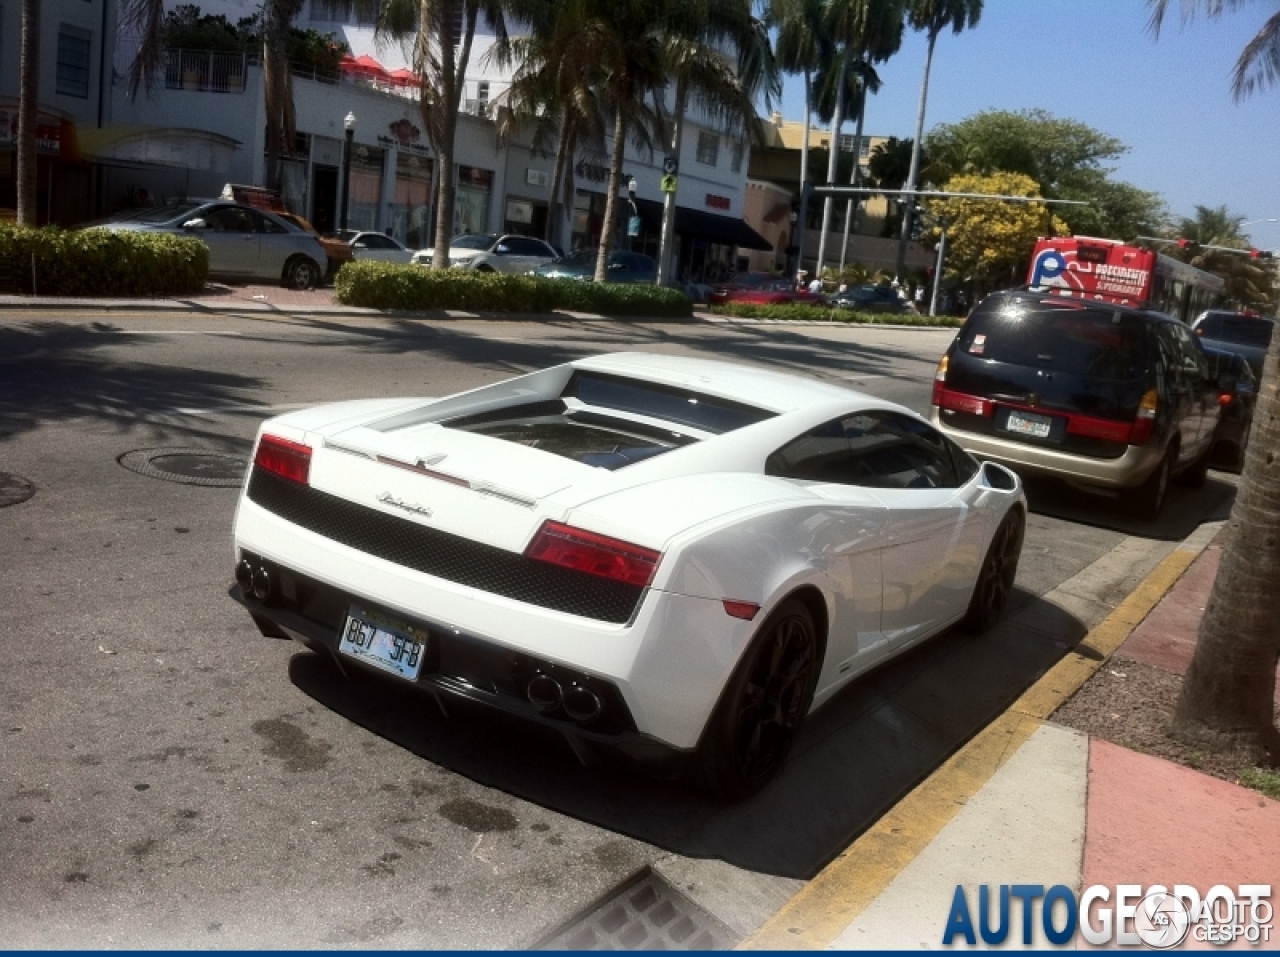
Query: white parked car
487	252
377	246
672	558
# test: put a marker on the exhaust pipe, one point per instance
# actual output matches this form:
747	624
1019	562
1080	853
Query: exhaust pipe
244	576
582	704
544	693
261	584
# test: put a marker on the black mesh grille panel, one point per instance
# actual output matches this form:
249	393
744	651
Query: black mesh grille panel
443	555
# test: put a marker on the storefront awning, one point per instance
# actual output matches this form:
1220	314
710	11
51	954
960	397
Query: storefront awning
697	225
158	146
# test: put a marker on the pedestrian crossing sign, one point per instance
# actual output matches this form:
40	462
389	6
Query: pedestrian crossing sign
668	184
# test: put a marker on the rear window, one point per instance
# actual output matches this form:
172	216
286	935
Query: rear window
680	406
1242	330
1093	341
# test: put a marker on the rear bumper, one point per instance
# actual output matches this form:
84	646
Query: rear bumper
460	666
1128	470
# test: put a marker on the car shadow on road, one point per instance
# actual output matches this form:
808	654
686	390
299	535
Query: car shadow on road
853	760
1184	511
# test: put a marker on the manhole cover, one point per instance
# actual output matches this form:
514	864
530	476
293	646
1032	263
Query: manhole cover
14	489
189	466
646	913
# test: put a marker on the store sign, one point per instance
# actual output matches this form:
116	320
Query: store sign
48	135
718	202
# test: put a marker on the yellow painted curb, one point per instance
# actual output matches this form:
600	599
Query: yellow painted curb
824	907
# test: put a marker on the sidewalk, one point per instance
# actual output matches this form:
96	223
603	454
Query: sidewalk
1033	801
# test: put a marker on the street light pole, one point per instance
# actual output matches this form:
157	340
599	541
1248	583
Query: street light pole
350	125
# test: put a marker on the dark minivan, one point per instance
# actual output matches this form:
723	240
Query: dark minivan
1103	396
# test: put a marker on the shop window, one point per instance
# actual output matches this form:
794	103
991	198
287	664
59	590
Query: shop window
708	148
73	62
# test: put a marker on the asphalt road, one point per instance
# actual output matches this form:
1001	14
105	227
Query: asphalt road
169	778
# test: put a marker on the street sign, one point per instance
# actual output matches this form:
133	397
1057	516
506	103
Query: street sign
669	166
668	183
633	226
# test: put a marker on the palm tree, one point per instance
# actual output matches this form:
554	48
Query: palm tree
723	90
443	32
1259	64
1218	246
28	116
868	31
803	46
1227	697
554	88
931	16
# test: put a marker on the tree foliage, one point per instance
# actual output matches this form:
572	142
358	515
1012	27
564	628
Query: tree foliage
1066	158
988	240
1258	67
1213	235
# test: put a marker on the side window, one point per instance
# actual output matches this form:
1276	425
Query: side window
820	455
524	247
897	451
230	219
1193	358
265	225
1170	354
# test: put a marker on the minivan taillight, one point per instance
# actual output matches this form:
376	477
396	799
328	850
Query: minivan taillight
291	460
594	554
1144	423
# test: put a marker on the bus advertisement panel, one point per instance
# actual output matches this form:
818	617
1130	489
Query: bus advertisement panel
1087	268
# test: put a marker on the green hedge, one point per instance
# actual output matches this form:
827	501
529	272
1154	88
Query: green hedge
796	311
99	262
379	285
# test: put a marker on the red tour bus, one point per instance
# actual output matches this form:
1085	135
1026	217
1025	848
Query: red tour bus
1087	268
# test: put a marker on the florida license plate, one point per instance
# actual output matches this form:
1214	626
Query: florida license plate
1025	423
377	640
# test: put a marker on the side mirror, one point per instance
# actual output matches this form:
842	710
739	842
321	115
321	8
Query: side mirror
196	223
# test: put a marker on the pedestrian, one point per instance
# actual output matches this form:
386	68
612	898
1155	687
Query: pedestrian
815	285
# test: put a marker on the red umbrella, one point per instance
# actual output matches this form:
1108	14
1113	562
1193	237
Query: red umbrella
368	65
404	77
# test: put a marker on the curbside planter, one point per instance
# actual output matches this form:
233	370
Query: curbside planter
50	261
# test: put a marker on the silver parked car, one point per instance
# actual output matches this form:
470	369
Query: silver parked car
244	243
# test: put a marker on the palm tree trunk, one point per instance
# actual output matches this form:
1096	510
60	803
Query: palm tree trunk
445	192
28	114
615	184
854	202
668	235
803	218
1227	699
563	141
914	170
833	160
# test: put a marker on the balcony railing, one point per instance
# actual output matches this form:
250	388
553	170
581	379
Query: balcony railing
202	70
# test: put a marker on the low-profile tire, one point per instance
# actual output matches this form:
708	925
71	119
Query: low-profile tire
999	568
762	707
1148	499
301	272
485	269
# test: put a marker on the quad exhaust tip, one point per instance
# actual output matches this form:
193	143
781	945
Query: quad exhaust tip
253	581
579	702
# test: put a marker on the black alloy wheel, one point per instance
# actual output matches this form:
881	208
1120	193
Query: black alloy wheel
301	273
995	580
763	706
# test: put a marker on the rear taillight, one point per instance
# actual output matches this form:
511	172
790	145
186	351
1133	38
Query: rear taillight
1144	423
945	398
1225	399
594	554
291	460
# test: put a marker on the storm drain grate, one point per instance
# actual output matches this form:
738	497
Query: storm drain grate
646	913
14	489
189	466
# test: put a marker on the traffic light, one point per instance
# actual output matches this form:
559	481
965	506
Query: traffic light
1183	243
1260	254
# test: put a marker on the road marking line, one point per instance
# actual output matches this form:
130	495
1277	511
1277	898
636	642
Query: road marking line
824	907
220	409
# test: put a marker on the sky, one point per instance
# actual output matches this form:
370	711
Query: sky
1168	100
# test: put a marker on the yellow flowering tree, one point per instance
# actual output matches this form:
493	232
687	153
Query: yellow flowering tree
989	240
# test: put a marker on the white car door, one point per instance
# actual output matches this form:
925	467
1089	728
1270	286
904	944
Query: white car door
934	535
843	539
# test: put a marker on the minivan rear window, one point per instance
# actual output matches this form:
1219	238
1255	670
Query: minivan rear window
1091	341
1242	330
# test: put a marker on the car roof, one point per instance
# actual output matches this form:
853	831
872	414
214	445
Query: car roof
1073	302
750	385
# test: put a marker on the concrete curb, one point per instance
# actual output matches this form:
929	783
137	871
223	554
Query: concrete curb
816	916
